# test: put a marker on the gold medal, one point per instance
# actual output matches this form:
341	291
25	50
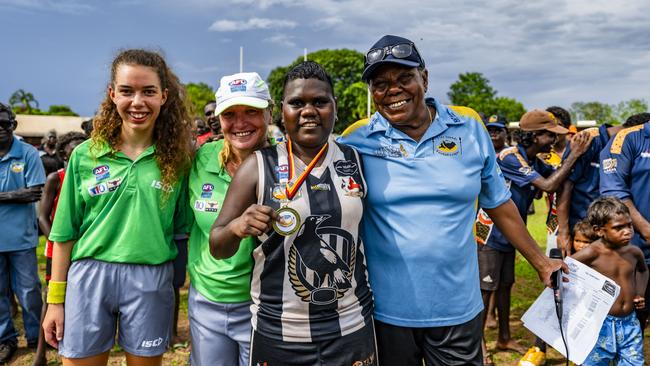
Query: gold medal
288	221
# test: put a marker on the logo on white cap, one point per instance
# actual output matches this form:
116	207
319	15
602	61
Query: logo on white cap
246	88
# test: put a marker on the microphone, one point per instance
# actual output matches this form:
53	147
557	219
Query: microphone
556	282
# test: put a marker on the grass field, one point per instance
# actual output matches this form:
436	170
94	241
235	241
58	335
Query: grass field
526	289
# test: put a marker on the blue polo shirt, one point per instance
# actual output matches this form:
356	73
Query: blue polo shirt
625	172
419	215
19	168
585	174
519	172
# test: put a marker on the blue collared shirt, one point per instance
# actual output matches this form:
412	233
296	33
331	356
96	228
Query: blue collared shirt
19	168
625	172
419	215
520	174
585	175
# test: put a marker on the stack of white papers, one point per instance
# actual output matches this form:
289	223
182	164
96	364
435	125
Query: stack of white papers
587	298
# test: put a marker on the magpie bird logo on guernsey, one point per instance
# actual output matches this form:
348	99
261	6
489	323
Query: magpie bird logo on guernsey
321	261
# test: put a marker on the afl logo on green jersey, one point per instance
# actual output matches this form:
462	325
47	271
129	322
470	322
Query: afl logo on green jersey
101	172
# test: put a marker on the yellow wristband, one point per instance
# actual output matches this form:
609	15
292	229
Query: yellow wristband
56	292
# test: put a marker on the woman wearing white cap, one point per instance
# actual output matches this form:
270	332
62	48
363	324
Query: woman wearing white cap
219	298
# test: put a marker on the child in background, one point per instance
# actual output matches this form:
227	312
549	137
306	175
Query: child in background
47	209
620	337
583	235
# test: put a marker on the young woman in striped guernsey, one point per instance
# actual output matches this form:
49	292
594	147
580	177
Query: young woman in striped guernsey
302	199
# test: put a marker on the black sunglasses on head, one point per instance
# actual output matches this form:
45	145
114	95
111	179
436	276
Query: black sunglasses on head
401	50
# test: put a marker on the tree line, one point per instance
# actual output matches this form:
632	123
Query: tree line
471	89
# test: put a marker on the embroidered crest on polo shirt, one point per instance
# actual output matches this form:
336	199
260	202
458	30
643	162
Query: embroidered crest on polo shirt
389	151
448	145
609	165
101	172
17	166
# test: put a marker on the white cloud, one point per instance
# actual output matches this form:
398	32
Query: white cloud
226	25
265	4
60	6
282	40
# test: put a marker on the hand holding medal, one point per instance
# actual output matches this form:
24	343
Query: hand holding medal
255	221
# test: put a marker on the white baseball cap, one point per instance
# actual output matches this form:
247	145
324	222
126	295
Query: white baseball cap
245	88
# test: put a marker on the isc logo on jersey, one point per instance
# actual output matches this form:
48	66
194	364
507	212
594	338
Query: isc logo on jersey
159	185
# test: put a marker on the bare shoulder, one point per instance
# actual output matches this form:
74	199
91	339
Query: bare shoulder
632	250
588	254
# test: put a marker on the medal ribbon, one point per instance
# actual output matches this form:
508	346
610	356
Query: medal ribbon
292	189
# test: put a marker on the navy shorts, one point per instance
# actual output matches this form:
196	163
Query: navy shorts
437	346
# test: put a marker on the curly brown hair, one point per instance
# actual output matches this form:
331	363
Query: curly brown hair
172	130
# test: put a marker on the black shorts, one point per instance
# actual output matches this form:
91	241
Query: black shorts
451	345
356	349
496	268
180	264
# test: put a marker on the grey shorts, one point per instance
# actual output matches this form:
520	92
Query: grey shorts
220	332
496	268
101	297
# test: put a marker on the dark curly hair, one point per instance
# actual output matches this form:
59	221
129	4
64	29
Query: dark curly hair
172	130
307	70
604	209
66	139
561	114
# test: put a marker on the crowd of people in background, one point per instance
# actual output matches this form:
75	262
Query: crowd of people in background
305	248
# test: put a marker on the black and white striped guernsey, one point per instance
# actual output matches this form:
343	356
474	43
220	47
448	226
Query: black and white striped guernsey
313	284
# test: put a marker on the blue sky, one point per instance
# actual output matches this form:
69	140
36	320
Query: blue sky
542	53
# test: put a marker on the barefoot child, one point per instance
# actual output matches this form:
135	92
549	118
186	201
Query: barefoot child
620	336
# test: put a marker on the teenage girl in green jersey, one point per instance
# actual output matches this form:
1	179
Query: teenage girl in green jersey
116	218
